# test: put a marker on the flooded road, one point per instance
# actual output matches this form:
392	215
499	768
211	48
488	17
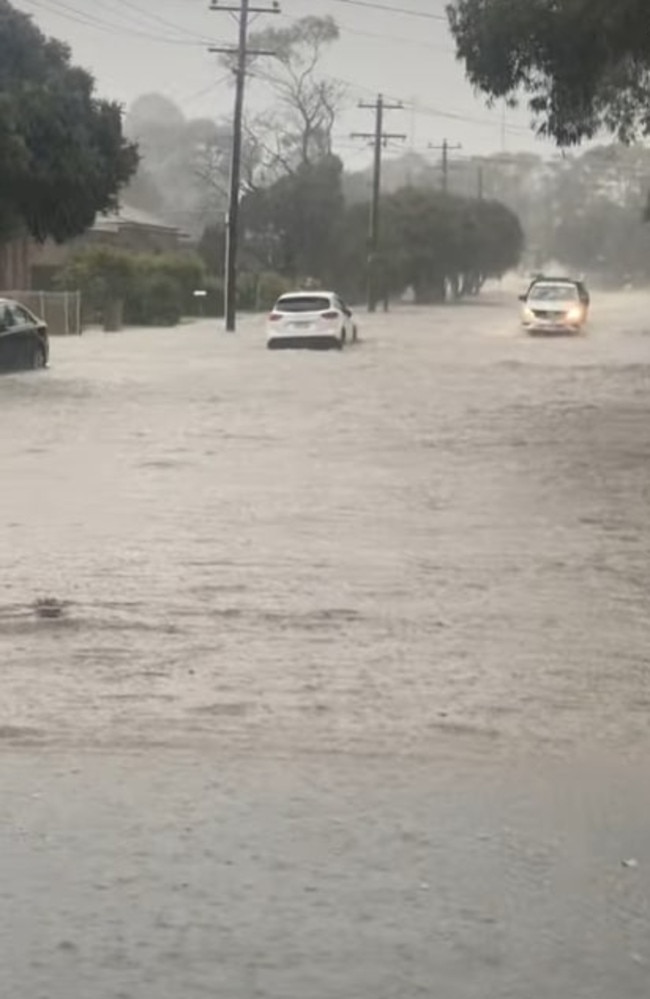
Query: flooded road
287	630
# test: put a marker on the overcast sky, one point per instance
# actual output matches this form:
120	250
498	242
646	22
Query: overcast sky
407	53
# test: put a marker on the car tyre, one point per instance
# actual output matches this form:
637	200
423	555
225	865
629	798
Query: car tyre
38	361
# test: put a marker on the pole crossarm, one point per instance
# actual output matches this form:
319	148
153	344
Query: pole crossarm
379	139
242	53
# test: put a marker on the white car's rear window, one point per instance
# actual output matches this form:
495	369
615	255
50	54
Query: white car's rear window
303	303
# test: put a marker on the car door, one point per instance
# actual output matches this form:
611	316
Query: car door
9	338
18	336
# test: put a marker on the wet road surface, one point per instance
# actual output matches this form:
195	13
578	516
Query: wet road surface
339	682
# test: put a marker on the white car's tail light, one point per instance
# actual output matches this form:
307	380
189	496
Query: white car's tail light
329	315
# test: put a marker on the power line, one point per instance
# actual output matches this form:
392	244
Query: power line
436	112
429	110
76	16
208	89
146	18
427	15
383	36
242	54
380	138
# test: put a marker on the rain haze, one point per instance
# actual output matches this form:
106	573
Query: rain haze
405	53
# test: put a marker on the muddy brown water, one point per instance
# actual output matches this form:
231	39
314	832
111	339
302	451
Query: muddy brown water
442	531
326	675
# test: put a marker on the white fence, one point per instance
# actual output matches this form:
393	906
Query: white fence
61	310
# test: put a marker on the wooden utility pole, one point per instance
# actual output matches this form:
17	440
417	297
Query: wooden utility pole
380	140
242	53
484	164
446	149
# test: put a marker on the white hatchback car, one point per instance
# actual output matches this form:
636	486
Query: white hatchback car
310	319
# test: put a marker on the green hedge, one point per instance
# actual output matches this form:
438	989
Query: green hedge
159	290
155	290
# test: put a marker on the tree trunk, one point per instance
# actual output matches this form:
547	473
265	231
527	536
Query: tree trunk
432	292
114	316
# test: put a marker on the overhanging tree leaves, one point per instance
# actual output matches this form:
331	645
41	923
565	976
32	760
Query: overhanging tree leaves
584	64
63	157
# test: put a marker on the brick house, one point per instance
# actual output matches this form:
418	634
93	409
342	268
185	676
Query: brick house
26	265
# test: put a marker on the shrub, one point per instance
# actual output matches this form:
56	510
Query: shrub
154	290
259	292
156	299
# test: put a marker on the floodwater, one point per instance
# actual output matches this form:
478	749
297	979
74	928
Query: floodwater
300	652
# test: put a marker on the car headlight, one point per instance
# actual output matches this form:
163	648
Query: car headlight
529	315
574	315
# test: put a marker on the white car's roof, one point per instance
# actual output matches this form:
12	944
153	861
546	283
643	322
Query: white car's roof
308	294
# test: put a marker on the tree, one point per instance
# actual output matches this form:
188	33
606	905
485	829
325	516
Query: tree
106	277
298	129
63	157
435	244
584	64
146	289
291	226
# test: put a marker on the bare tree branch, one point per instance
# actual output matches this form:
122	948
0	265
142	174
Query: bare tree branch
307	103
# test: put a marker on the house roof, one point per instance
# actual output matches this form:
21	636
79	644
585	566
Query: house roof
126	216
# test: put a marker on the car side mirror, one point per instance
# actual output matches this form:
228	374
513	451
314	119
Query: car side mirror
522	298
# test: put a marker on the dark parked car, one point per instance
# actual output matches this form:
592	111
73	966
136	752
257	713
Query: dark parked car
24	343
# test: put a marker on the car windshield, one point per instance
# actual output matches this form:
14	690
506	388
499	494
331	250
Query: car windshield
303	303
554	292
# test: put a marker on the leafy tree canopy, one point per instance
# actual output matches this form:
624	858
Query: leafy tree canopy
300	227
434	242
291	225
63	157
584	64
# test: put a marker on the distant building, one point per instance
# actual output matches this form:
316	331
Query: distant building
26	265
